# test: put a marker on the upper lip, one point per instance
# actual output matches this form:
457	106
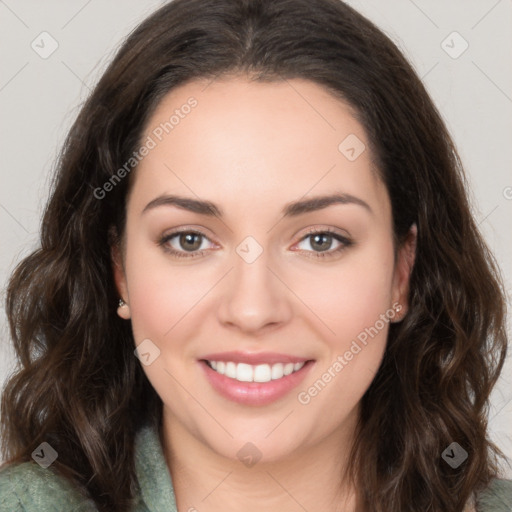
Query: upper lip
255	358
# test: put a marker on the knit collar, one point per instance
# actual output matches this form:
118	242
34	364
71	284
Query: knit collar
156	490
157	493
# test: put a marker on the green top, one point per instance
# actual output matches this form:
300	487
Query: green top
28	487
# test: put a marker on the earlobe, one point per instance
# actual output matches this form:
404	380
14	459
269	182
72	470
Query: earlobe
403	270
123	309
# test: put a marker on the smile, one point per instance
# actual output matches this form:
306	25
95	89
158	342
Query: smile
243	372
254	384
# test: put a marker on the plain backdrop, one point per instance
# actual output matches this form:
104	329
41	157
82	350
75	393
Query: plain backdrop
461	49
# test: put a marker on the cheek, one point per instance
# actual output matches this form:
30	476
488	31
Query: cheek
355	304
164	303
351	296
154	291
165	297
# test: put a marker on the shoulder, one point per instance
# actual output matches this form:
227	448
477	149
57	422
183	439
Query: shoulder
27	487
497	497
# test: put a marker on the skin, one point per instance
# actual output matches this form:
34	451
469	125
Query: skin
251	148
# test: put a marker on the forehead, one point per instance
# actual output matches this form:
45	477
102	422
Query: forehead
233	139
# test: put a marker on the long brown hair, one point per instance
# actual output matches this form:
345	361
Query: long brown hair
79	385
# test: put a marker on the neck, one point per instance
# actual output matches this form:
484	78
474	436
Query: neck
309	479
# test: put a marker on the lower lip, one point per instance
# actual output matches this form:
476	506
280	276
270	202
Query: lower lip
254	393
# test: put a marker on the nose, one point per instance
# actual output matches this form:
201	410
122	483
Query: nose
253	299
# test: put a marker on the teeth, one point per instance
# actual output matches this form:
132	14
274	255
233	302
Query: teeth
262	373
244	372
230	370
288	368
254	373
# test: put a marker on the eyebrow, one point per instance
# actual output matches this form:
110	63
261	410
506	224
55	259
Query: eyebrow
292	209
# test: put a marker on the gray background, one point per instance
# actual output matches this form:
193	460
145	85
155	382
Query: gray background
40	97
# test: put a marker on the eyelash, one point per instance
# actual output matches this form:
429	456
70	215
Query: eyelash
344	241
181	254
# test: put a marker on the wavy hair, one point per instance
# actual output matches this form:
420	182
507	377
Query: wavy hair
79	386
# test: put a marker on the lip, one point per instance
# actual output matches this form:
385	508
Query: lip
255	358
255	393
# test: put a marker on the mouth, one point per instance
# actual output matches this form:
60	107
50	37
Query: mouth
243	372
260	382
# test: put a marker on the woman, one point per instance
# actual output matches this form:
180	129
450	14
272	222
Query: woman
259	286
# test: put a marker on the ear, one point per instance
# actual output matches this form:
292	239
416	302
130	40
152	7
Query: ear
403	269
119	276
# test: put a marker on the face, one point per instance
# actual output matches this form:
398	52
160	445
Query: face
229	259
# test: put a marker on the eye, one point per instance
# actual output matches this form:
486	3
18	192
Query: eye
191	243
179	243
320	243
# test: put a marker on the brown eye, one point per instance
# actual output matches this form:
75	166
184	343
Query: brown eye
190	241
320	243
180	243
